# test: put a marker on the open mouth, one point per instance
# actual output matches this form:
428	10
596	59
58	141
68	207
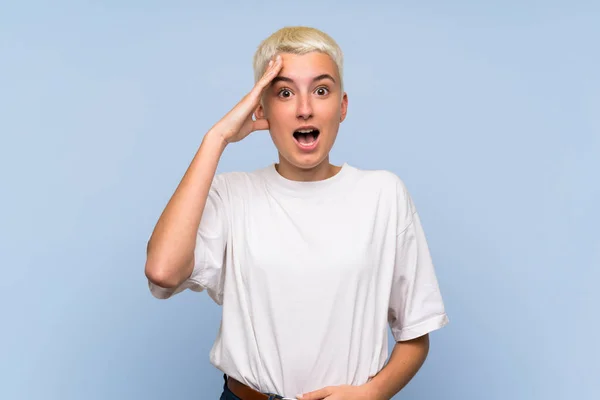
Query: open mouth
306	137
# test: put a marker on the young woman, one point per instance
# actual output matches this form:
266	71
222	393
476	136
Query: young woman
310	261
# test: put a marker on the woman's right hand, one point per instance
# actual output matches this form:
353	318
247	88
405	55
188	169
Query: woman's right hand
239	123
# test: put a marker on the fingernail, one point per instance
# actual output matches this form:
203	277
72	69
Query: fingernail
270	63
278	57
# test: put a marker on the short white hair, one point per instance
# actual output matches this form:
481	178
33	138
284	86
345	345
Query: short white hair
297	40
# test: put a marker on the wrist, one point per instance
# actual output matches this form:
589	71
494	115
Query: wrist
374	391
215	138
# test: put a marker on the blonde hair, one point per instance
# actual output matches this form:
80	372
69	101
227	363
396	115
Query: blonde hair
297	40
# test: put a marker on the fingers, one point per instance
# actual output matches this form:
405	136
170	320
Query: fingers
316	395
242	112
271	72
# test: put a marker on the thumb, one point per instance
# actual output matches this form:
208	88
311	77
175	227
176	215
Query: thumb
260	125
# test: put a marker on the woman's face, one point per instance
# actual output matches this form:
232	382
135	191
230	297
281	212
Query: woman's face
304	106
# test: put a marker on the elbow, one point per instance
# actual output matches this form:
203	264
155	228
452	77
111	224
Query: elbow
163	275
165	269
159	277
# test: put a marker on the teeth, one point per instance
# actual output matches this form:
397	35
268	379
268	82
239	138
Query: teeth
305	130
307	144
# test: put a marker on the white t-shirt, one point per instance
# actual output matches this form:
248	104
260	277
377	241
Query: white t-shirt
310	275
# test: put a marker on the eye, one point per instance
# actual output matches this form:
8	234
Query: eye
322	91
284	92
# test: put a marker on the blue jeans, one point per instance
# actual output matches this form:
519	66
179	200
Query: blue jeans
227	395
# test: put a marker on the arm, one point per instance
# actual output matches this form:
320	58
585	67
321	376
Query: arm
406	359
170	252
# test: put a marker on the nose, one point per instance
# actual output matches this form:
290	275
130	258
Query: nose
304	108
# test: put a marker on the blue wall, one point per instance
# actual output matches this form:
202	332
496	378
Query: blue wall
489	111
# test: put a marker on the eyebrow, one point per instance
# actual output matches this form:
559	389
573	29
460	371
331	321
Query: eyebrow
315	79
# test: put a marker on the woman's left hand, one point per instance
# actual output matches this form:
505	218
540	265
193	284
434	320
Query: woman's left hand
343	392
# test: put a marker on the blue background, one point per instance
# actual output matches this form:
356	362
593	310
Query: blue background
489	111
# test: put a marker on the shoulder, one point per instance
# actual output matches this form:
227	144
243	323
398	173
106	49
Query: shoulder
381	179
390	189
237	182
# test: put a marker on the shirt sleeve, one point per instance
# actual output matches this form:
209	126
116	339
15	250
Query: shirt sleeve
209	252
416	306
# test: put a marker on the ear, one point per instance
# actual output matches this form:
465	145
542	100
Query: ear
344	107
259	113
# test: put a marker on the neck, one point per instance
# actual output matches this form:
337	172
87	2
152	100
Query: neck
320	172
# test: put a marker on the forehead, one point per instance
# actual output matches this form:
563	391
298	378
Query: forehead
304	67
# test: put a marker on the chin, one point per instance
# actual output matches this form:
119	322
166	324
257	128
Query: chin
305	161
